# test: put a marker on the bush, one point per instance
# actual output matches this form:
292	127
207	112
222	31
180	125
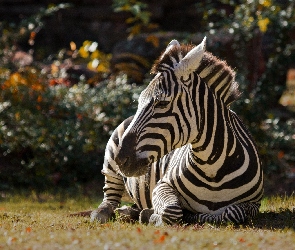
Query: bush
56	134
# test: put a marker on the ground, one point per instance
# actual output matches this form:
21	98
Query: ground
25	223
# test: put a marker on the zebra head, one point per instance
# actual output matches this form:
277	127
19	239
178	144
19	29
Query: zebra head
164	119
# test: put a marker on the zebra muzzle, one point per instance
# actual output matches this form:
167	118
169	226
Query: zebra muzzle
126	158
125	154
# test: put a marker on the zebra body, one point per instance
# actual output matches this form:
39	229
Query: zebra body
185	153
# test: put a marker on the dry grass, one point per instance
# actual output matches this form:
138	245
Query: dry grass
29	224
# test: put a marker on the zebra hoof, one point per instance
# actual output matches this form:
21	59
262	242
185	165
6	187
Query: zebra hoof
156	220
127	214
144	216
103	213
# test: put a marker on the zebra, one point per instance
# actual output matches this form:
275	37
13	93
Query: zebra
184	156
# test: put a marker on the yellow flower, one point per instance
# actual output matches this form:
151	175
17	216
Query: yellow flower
17	116
91	65
15	79
86	44
83	52
95	54
265	3
262	24
102	68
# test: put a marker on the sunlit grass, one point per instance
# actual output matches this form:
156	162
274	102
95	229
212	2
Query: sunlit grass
278	203
27	223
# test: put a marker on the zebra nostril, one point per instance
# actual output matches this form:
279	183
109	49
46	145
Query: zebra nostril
121	160
125	162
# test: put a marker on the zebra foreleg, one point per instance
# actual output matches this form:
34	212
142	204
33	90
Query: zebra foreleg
103	213
166	204
145	215
127	213
113	191
237	214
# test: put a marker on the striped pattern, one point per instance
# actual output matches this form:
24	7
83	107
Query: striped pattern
185	153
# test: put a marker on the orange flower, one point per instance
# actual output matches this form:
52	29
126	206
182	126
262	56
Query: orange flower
79	117
59	81
161	239
242	240
281	154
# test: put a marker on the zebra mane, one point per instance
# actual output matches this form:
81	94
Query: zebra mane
219	77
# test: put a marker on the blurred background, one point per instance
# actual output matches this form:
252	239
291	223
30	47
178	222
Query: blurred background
71	72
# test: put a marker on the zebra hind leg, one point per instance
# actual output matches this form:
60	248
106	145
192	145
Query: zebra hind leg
201	218
241	213
236	214
167	209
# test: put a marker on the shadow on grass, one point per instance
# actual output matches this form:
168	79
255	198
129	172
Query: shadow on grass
274	220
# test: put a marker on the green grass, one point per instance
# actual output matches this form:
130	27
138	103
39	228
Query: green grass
29	224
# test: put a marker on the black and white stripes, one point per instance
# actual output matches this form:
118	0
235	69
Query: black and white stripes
185	154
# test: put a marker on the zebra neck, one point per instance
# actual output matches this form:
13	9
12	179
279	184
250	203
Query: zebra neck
203	161
209	150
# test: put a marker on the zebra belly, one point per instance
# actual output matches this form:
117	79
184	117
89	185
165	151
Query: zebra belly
197	194
201	199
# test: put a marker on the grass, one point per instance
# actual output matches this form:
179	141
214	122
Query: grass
25	223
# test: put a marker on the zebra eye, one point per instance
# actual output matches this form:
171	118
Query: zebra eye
162	104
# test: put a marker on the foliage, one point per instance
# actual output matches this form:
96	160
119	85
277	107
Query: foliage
59	132
28	224
139	20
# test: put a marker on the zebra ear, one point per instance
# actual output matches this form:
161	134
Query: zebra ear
170	46
191	61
